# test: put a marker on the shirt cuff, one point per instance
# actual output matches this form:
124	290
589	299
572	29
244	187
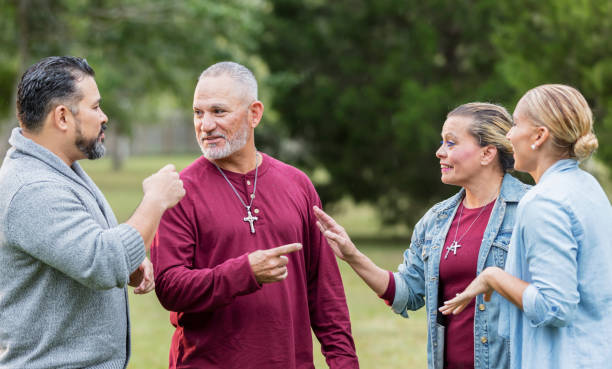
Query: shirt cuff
389	294
243	268
535	312
400	299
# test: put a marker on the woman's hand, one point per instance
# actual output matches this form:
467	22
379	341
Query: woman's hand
480	285
336	236
376	278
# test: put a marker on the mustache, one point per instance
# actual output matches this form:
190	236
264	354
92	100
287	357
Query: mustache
218	134
102	129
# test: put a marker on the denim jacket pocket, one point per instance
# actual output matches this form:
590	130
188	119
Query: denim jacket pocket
426	250
499	250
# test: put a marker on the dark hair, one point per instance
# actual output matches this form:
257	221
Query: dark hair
46	84
490	124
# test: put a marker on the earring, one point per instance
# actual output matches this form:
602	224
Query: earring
533	146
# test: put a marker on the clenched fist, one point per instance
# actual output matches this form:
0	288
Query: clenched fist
164	187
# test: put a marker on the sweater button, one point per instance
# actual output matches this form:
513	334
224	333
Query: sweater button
256	211
248	182
481	307
483	339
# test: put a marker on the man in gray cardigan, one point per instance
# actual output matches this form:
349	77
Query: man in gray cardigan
64	260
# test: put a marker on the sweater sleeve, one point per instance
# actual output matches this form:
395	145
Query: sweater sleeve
180	286
329	313
49	222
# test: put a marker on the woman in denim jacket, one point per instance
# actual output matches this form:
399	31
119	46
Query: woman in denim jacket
454	241
559	272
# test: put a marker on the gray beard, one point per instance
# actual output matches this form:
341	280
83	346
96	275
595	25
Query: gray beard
232	145
93	149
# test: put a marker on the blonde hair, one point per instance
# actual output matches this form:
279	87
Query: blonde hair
490	124
565	112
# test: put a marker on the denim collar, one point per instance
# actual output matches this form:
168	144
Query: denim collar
511	191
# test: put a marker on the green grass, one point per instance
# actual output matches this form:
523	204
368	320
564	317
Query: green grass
383	339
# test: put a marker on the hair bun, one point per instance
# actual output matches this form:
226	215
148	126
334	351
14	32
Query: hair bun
585	145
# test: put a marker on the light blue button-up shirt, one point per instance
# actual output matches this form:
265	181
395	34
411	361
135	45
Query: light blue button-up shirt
562	246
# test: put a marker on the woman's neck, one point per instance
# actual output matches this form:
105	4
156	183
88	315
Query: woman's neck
543	164
483	192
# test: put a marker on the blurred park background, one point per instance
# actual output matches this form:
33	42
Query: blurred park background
356	92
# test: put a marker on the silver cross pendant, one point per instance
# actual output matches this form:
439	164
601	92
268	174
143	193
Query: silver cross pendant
250	218
452	247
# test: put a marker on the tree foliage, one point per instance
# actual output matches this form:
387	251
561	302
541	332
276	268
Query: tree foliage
561	41
362	86
367	85
147	53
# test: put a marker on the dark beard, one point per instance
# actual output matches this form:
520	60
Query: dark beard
91	148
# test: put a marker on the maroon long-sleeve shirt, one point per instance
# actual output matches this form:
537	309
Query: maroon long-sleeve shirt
223	317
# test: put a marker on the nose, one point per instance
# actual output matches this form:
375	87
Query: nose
440	153
104	117
206	123
509	134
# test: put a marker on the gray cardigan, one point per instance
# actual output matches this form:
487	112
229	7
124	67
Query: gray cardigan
64	265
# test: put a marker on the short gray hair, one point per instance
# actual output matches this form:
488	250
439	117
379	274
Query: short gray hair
236	71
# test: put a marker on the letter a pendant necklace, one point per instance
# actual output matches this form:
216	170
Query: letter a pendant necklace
455	244
249	218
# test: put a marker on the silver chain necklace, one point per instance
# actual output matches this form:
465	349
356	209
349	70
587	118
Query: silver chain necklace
249	218
455	244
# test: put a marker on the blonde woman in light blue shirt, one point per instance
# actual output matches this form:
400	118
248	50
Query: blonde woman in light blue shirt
558	276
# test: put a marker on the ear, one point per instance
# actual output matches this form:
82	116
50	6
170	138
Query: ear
487	155
256	110
61	117
541	135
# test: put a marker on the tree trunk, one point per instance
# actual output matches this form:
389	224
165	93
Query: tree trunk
119	148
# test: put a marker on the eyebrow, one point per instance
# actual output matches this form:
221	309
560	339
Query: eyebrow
212	107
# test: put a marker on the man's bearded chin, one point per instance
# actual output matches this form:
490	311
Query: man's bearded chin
94	148
237	142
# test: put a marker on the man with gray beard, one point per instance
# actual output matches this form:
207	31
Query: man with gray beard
240	262
64	260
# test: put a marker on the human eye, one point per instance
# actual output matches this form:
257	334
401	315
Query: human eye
218	111
197	112
447	143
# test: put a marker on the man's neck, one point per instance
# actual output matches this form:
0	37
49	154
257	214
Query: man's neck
242	161
48	142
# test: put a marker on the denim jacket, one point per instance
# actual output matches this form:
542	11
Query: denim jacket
416	280
562	247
